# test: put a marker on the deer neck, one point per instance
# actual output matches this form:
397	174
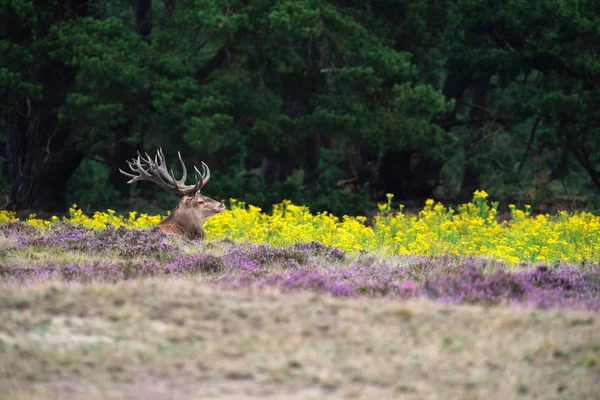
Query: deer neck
184	221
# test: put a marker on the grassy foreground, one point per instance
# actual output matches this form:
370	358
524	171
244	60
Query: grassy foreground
127	313
179	339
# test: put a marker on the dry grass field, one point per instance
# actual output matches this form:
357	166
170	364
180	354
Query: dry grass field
133	314
175	338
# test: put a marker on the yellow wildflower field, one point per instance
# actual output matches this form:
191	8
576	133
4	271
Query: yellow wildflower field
470	229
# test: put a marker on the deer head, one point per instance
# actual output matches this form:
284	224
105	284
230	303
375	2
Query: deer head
193	209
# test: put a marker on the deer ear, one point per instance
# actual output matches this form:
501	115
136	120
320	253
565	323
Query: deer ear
188	201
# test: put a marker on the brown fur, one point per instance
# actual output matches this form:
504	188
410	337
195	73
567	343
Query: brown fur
187	219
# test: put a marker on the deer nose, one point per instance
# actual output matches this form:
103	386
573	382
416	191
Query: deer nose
222	207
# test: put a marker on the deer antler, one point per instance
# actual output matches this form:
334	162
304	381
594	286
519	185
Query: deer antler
146	169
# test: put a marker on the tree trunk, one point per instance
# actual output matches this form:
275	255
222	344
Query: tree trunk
41	159
480	100
143	17
41	153
407	174
311	156
298	91
275	167
122	152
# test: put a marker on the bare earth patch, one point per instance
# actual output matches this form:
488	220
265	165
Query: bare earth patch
179	339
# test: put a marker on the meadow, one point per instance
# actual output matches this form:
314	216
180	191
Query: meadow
445	303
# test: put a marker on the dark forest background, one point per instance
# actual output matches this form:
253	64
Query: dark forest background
327	103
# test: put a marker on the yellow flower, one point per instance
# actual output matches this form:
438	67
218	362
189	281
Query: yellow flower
470	229
480	194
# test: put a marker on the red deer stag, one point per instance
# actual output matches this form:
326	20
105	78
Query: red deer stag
193	209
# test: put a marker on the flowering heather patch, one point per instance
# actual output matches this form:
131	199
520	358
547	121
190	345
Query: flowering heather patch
113	271
194	264
18	228
446	279
539	287
308	266
121	241
328	252
566	287
256	258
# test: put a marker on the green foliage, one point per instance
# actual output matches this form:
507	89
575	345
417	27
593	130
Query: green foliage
530	69
332	197
503	94
112	78
88	188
